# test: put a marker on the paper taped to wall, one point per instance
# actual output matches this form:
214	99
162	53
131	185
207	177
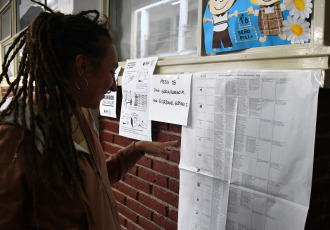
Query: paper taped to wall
170	98
247	152
134	122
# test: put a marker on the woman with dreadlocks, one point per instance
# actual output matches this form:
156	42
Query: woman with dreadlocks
53	174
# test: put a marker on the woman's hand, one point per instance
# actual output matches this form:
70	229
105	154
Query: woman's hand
155	148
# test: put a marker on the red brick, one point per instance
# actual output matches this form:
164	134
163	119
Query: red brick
175	157
120	198
167	169
124	188
167	137
152	177
138	208
152	203
174	185
165	223
109	125
110	148
137	183
147	224
166	196
163	156
145	161
175	128
132	226
105	136
122	220
133	170
174	215
127	212
123	141
159	125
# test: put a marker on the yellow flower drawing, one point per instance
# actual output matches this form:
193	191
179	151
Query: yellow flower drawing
297	30
300	8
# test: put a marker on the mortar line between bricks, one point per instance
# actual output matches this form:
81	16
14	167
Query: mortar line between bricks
146	207
153	223
158	173
169	219
169	132
109	131
108	120
147	194
132	222
119	204
162	160
148	182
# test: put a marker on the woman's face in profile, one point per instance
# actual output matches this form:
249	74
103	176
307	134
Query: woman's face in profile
100	80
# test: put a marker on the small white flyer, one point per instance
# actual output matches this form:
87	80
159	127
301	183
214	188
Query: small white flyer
108	104
170	98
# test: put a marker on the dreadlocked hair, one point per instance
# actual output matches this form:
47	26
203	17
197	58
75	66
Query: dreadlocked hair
50	45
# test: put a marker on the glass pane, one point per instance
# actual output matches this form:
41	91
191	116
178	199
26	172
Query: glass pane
11	67
155	27
26	12
2	3
6	23
51	3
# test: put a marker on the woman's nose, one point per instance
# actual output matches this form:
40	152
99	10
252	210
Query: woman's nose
113	87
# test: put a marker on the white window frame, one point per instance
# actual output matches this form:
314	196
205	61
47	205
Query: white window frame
312	55
8	40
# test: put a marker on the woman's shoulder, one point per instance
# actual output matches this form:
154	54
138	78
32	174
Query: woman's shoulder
17	125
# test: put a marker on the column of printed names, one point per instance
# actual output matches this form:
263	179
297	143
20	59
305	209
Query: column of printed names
245	163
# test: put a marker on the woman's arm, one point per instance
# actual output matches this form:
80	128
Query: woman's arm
122	161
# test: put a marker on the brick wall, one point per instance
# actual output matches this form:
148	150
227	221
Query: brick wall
147	196
3	91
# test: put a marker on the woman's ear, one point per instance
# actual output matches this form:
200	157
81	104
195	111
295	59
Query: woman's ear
81	64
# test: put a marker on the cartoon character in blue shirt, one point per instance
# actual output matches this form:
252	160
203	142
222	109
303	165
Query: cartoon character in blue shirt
219	19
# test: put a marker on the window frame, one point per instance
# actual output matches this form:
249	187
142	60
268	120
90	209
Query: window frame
8	40
2	10
312	55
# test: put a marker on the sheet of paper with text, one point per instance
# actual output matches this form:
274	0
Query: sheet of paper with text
247	152
134	122
170	98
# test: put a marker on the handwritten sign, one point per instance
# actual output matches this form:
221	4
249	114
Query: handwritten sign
246	34
244	19
170	98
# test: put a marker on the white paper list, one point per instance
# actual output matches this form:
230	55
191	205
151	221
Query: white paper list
250	141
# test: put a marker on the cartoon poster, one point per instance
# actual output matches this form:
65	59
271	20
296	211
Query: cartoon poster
240	24
134	121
